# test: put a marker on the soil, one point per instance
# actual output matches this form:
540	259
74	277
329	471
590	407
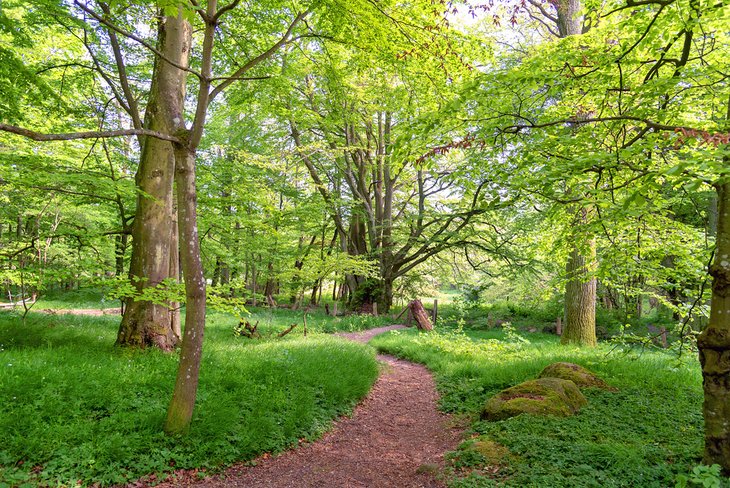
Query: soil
395	438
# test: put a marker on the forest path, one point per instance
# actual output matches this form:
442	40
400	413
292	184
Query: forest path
396	437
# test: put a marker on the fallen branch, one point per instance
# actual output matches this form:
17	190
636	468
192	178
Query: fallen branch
286	331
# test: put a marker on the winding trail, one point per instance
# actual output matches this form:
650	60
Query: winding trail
396	437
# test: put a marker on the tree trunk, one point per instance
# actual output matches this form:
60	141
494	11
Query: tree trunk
180	411
387	298
712	216
714	345
569	20
580	290
580	299
145	323
216	272
175	272
420	315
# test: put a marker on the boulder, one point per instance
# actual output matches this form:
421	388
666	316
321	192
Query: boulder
575	373
543	396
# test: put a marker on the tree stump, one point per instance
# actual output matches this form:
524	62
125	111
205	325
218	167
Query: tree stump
420	315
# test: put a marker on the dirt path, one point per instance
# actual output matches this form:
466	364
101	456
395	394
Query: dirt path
395	438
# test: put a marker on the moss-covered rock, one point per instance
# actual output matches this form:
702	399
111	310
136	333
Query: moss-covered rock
544	396
575	373
493	452
478	452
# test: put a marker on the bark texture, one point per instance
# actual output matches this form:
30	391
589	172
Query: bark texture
714	346
580	289
569	20
145	323
580	298
180	410
420	315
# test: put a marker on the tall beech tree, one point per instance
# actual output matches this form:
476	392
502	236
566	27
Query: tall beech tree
567	20
154	249
650	82
389	200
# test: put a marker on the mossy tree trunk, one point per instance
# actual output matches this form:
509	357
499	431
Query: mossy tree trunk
580	298
145	323
580	289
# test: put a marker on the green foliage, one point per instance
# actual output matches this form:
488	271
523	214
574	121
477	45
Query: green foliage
704	476
87	297
76	408
273	321
646	434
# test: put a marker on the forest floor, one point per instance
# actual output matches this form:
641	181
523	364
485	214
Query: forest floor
95	312
396	437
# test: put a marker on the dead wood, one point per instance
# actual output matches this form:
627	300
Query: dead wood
420	315
247	330
286	331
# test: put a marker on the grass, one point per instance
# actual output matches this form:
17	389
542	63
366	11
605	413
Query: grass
272	321
81	298
646	434
76	410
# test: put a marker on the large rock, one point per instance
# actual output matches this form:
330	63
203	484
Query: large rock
544	396
575	373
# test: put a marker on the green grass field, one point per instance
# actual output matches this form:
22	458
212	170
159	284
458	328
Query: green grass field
75	409
644	435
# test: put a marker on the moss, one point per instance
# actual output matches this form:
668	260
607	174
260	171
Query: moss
493	452
575	373
429	468
544	396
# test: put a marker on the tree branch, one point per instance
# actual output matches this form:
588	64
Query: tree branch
225	9
122	72
514	129
96	134
134	37
258	59
542	10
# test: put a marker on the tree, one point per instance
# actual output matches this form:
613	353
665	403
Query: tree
169	150
657	99
353	126
154	250
714	342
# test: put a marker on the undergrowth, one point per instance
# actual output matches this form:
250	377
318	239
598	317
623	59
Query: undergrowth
76	410
647	434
